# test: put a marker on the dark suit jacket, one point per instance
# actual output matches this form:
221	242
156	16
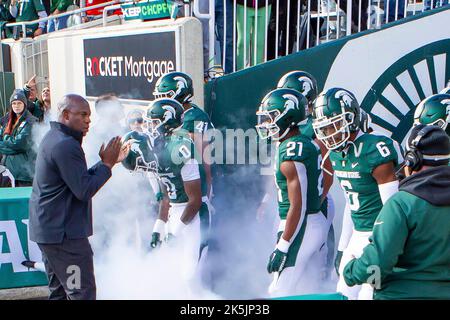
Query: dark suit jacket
60	203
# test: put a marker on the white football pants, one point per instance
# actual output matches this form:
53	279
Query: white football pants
192	259
304	277
358	241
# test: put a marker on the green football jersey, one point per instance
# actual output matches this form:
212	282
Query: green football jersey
196	120
306	155
178	149
354	168
27	11
307	128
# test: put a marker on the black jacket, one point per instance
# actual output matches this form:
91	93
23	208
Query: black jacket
60	203
432	185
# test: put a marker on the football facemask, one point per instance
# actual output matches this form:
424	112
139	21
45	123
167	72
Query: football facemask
267	127
334	132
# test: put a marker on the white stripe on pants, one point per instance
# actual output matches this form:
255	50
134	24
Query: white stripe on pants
358	241
296	279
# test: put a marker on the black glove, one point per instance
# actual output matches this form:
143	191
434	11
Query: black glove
277	261
156	240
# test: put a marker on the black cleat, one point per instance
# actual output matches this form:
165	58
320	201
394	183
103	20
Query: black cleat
29	264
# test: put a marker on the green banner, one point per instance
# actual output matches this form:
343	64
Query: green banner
15	244
148	10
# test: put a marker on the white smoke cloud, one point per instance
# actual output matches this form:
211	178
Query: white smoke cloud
124	211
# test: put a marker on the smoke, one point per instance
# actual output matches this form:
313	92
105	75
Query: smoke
125	209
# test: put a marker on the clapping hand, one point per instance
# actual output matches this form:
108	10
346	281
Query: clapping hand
110	153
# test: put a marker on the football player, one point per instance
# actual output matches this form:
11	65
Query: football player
185	207
178	86
142	157
306	84
364	164
302	231
434	110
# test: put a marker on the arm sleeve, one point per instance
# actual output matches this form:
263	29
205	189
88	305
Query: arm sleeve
190	171
42	14
19	143
386	245
347	228
387	190
84	183
13	10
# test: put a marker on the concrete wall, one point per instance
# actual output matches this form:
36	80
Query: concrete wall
66	56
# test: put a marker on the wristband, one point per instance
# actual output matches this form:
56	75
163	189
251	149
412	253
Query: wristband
177	227
283	245
159	226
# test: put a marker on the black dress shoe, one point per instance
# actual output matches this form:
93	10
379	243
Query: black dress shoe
29	264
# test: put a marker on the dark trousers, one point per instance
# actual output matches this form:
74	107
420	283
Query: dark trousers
70	270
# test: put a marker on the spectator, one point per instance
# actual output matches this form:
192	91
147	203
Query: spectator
33	104
41	107
246	31
29	10
57	7
5	17
409	251
45	102
61	200
16	141
224	28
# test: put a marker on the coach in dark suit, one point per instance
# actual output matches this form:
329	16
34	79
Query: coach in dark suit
60	204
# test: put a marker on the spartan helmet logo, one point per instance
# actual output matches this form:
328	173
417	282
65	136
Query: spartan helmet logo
290	103
169	113
136	148
181	84
345	97
307	85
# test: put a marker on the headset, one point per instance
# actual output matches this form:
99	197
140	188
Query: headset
413	157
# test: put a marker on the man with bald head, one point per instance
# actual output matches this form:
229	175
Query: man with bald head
60	203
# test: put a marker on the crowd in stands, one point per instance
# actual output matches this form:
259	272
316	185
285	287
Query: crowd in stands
261	30
30	10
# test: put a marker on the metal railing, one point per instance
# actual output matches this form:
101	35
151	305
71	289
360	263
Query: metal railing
275	28
24	24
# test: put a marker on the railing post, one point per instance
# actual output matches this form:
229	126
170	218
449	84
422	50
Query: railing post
349	17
